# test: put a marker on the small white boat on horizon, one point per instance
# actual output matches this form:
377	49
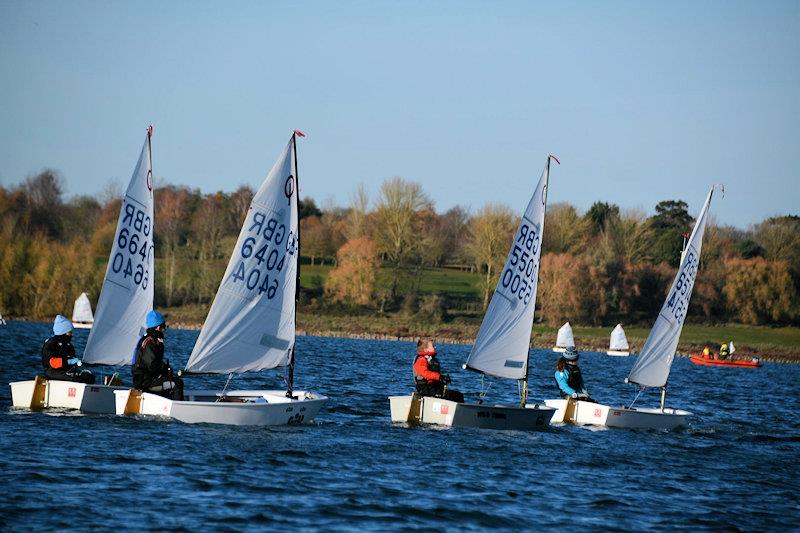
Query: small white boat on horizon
82	317
564	339
618	344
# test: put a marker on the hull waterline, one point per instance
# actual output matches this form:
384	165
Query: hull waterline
595	414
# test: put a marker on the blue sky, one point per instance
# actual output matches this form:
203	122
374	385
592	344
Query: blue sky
641	101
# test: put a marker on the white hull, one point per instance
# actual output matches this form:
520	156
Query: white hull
446	413
66	395
618	353
559	350
595	414
82	325
258	408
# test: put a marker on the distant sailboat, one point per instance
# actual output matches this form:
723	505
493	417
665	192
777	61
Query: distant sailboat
125	299
502	346
618	344
653	365
565	339
251	324
82	317
2	320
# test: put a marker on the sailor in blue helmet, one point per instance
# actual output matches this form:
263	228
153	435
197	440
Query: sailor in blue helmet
151	372
58	355
568	376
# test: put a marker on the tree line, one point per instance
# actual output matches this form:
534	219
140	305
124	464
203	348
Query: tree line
598	267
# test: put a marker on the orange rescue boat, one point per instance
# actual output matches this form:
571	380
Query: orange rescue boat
710	360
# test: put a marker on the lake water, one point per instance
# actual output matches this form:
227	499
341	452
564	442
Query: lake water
734	468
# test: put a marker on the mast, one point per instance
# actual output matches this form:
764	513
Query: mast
290	371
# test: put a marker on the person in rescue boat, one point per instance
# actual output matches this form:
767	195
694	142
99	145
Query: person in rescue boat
707	352
428	375
151	372
58	355
568	376
723	350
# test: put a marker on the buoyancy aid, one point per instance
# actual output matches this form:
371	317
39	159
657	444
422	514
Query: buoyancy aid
142	373
723	350
432	366
56	351
574	379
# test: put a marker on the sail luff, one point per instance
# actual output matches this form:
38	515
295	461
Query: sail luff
251	323
502	346
653	365
127	292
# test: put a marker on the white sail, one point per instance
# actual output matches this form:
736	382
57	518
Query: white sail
501	348
565	338
731	348
251	324
619	342
655	360
127	292
82	310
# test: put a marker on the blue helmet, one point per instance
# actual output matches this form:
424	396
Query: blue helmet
571	354
61	325
154	319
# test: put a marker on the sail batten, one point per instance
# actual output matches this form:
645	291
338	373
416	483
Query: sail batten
251	323
653	365
127	292
503	341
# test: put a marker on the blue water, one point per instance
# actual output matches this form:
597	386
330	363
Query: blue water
734	468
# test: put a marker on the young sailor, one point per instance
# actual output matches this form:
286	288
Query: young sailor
58	355
568	376
428	375
723	350
151	372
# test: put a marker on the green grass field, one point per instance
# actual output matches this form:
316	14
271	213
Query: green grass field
434	280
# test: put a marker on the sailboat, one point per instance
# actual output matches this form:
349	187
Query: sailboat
502	346
82	317
251	323
653	365
564	339
618	343
125	299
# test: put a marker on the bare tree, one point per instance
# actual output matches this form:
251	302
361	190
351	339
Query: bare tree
397	220
356	224
172	206
490	234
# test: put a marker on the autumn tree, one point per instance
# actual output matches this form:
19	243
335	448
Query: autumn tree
490	234
566	231
397	219
353	279
760	291
172	211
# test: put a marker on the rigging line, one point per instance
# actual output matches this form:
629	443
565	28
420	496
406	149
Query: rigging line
636	398
221	396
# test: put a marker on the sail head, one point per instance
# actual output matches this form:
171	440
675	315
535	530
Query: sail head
251	324
503	341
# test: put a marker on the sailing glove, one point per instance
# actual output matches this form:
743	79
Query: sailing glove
574	395
74	361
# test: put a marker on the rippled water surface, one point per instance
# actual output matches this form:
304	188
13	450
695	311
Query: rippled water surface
734	468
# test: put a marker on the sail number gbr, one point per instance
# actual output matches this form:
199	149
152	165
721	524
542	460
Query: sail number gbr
518	278
678	300
133	253
262	257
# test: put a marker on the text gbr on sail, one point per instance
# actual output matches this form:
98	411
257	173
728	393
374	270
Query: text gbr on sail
134	247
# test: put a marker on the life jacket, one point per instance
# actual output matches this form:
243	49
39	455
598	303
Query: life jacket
141	373
56	350
574	379
706	351
433	366
723	350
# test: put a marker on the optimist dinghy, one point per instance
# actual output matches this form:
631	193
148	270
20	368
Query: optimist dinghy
565	339
251	324
618	344
503	343
82	317
125	299
653	365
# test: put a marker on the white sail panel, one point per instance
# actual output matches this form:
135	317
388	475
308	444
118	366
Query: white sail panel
731	348
82	310
565	339
501	348
619	342
251	324
655	360
127	292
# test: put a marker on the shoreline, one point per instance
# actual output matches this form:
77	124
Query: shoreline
744	351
